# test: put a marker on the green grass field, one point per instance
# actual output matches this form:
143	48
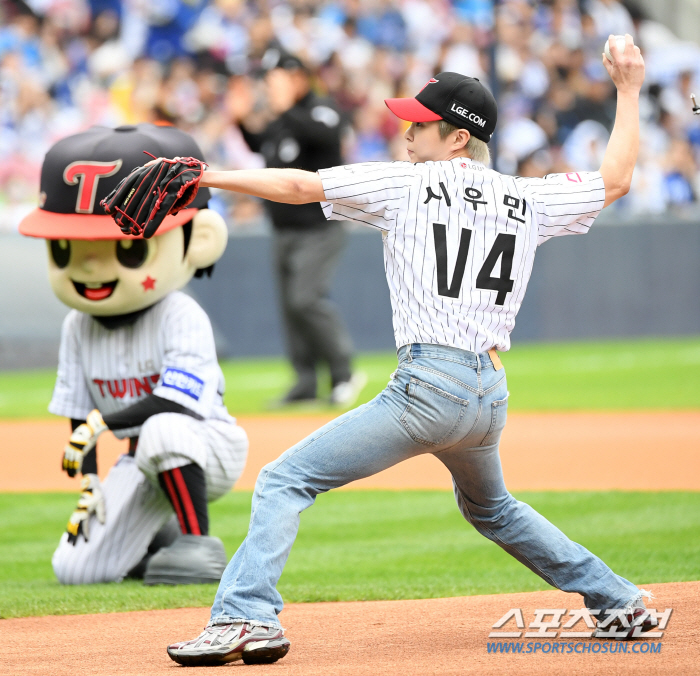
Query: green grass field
405	544
361	545
639	374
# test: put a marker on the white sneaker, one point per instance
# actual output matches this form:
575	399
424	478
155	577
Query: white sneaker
345	394
222	643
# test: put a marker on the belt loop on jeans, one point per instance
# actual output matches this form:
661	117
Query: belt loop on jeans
408	353
478	363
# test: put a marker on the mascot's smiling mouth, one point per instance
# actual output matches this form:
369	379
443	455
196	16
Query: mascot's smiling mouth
95	290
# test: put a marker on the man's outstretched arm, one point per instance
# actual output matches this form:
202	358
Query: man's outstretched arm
627	72
291	186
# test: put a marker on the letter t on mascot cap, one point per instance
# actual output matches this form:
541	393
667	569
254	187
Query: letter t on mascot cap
93	267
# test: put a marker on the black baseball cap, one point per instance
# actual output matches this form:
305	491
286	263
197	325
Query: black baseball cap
276	57
81	170
460	100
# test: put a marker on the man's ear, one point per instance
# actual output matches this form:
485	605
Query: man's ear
208	240
462	138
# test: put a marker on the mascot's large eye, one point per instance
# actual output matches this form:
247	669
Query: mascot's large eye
132	253
60	252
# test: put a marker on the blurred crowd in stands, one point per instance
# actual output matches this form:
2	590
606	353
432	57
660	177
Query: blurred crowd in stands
69	64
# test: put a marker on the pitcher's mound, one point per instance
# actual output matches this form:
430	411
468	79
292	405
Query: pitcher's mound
377	638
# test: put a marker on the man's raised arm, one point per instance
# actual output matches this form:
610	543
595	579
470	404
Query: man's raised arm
291	186
627	72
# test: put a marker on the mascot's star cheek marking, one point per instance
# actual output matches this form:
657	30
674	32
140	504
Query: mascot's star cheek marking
149	284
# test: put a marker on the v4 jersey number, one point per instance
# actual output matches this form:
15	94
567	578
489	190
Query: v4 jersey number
503	248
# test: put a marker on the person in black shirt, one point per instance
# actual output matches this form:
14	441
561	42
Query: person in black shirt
305	134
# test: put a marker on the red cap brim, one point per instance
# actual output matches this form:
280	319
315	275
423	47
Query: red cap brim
411	110
50	225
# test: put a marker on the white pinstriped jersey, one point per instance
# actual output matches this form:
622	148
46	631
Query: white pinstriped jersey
459	240
169	351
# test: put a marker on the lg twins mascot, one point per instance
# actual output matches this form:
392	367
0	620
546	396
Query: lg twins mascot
137	357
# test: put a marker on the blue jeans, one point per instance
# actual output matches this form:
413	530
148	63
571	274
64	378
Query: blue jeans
440	400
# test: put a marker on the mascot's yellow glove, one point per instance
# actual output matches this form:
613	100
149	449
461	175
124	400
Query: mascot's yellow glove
91	502
82	441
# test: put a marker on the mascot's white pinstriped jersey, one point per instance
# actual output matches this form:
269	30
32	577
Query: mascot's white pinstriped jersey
110	369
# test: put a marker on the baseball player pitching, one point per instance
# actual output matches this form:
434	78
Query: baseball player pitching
459	245
137	357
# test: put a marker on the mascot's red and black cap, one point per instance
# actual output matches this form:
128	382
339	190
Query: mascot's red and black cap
460	100
80	170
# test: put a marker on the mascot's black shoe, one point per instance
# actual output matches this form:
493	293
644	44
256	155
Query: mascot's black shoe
191	559
163	538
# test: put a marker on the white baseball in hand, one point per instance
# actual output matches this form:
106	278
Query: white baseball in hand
621	44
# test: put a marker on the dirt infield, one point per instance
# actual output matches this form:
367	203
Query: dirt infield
652	450
377	638
643	451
